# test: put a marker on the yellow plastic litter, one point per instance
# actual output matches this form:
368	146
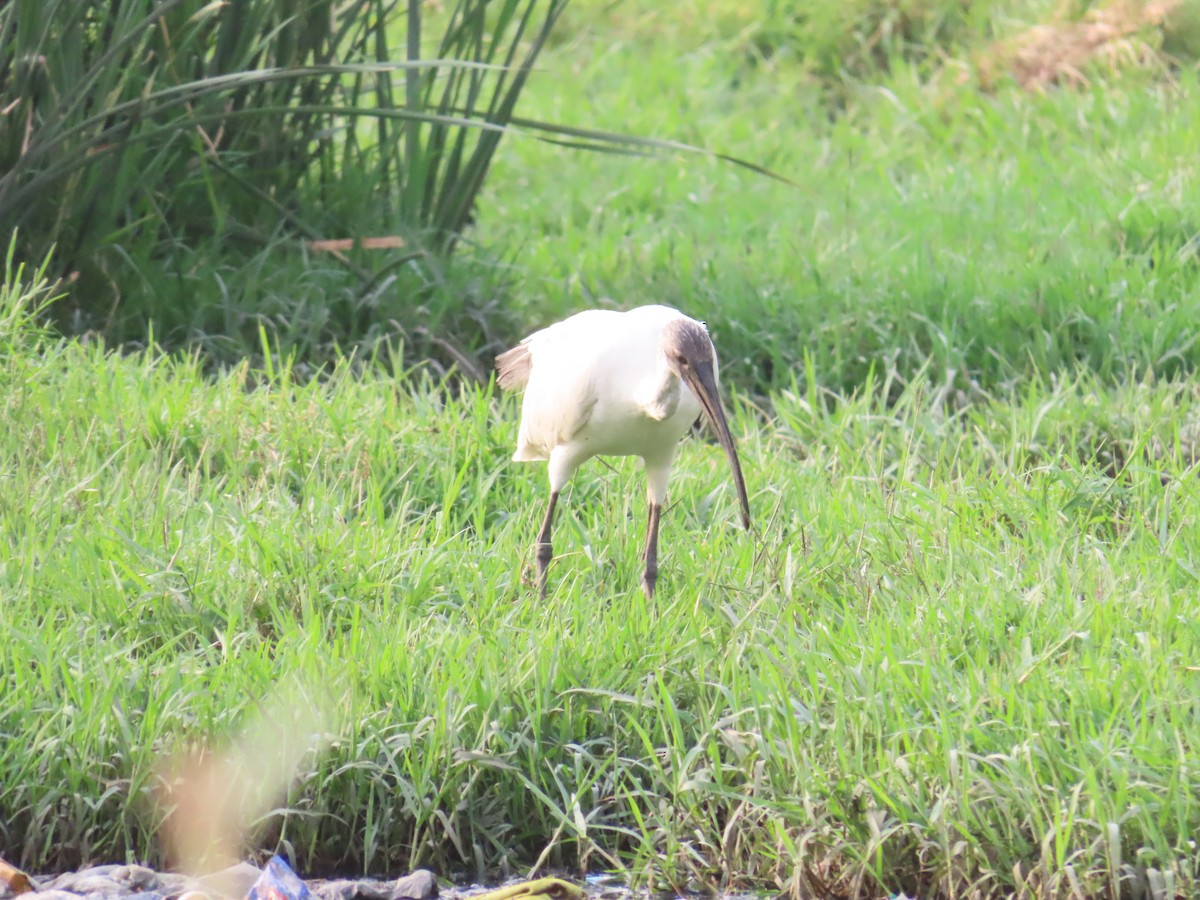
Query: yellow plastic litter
540	889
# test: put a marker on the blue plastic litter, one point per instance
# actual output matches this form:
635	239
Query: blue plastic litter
279	882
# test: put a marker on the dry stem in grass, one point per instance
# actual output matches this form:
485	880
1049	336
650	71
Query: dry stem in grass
1056	53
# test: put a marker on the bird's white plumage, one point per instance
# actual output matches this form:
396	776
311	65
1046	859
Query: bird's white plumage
618	384
599	384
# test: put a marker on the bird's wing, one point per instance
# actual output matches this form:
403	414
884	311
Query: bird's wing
514	366
556	367
572	335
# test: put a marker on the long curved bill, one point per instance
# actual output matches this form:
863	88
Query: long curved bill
703	384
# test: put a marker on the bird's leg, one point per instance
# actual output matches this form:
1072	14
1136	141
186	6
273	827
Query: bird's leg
545	552
650	555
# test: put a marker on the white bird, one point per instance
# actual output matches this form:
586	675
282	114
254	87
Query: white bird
604	383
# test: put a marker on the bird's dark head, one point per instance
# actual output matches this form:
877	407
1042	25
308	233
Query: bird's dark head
689	353
686	346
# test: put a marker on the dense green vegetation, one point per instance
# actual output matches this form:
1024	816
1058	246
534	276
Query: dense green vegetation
958	654
995	233
161	145
959	649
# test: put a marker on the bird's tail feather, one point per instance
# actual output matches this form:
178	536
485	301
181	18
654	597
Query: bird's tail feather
512	367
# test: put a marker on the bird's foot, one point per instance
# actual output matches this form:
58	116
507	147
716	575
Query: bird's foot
649	579
545	552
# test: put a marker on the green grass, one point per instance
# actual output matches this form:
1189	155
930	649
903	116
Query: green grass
957	651
994	237
957	655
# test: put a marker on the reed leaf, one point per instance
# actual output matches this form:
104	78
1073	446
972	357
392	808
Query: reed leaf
135	126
